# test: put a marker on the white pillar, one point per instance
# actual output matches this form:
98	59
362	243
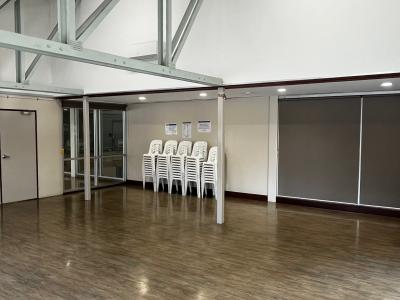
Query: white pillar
221	158
96	146
66	21
273	149
86	147
72	138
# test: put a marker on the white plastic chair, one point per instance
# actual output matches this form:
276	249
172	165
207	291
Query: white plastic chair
209	172
177	166
163	162
149	162
193	167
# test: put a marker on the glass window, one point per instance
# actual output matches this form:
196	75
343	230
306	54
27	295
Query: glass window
67	132
112	135
112	167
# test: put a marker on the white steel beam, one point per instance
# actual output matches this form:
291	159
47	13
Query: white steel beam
160	40
86	148
273	148
32	67
94	20
66	21
19	73
184	28
221	158
4	3
39	88
82	33
21	42
168	33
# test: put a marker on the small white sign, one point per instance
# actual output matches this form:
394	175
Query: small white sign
171	129
187	130
204	126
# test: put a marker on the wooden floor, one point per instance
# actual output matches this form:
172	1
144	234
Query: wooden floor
134	244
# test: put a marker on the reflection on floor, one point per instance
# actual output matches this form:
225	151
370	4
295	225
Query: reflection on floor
77	183
131	244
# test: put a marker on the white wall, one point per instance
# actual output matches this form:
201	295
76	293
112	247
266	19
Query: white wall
246	134
49	130
247	41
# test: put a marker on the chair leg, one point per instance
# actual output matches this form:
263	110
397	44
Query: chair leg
170	186
198	188
184	188
155	183
144	177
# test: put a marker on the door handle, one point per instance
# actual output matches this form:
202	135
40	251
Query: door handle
5	156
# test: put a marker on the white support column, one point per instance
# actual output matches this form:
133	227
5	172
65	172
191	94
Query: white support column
168	33
19	68
273	148
221	158
66	21
160	41
125	146
72	138
96	146
86	147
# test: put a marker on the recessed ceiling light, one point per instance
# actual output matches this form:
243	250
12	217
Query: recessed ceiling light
142	98
281	90
203	94
248	93
387	84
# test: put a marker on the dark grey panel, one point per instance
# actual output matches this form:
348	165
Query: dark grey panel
380	172
319	148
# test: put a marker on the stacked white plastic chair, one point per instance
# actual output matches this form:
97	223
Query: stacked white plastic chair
209	172
149	162
163	163
193	167
177	166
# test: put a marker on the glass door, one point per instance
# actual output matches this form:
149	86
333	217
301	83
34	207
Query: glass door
107	148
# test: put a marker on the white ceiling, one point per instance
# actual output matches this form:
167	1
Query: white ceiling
335	88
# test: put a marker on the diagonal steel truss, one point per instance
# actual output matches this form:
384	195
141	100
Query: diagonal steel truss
69	44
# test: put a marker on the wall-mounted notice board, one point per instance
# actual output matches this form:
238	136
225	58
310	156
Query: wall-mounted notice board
187	130
171	129
204	126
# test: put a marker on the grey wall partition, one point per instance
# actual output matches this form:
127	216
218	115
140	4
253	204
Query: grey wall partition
319	148
380	171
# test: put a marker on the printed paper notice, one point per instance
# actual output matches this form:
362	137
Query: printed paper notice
204	126
187	130
171	129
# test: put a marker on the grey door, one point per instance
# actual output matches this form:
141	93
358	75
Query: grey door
18	156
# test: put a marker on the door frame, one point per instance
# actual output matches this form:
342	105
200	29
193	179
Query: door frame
36	147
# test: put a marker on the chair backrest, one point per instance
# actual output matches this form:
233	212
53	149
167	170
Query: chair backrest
200	149
184	148
170	147
213	155
155	147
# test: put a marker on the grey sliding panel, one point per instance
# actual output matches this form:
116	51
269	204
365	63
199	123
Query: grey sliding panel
380	169
319	148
